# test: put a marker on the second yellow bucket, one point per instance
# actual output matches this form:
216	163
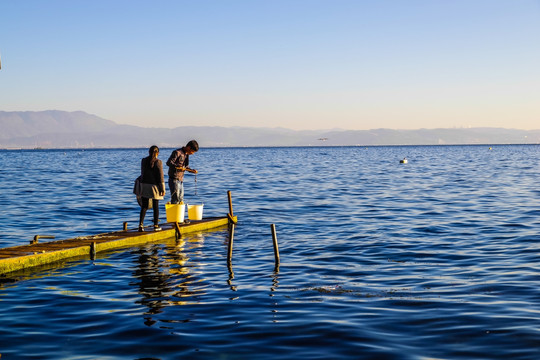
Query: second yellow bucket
195	212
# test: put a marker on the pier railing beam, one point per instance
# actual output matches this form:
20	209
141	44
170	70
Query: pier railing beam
37	237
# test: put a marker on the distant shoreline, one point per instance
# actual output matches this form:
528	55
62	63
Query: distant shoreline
79	130
262	147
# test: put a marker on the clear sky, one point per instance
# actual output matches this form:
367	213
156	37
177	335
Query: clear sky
299	64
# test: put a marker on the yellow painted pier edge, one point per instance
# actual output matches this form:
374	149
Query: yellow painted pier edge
27	256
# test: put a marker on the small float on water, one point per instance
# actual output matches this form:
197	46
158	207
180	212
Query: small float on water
403	161
36	253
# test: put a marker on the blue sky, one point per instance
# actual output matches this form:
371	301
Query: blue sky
299	64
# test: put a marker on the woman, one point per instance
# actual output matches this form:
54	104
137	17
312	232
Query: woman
153	185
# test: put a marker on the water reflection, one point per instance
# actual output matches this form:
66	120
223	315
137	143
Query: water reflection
273	288
164	278
230	242
154	284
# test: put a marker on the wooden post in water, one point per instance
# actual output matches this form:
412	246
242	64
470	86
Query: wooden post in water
230	203
230	215
231	240
125	226
276	249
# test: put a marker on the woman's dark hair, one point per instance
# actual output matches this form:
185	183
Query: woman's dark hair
193	145
153	151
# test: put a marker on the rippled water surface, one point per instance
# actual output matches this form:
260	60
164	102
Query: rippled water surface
435	259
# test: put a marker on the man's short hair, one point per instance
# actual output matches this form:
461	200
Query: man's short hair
193	145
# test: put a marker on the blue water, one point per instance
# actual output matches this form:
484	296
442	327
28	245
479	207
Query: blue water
435	259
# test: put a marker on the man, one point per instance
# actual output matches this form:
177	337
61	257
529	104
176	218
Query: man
178	163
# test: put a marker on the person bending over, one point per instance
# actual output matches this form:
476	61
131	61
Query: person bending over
178	163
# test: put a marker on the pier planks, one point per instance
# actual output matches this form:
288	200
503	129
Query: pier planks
26	256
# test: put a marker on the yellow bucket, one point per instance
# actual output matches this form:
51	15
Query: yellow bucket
195	212
175	212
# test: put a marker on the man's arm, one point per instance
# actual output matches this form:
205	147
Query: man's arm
172	159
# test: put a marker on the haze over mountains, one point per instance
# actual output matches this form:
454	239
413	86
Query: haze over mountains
61	129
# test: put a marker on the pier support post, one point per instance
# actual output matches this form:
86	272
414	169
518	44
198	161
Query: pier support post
177	227
125	226
93	251
276	249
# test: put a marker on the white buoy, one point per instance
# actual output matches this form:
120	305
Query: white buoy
404	161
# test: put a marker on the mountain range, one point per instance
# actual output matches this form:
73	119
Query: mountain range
62	129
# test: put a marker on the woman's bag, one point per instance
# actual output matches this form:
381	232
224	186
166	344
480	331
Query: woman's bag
138	191
138	188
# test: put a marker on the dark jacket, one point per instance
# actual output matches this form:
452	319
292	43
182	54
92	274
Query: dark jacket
178	158
152	172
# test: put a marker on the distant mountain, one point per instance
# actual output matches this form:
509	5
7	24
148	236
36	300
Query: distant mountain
61	129
22	124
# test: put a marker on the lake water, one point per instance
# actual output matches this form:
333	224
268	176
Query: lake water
435	259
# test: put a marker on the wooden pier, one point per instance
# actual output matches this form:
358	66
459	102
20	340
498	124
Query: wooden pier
36	253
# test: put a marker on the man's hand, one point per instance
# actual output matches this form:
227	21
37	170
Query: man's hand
181	168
